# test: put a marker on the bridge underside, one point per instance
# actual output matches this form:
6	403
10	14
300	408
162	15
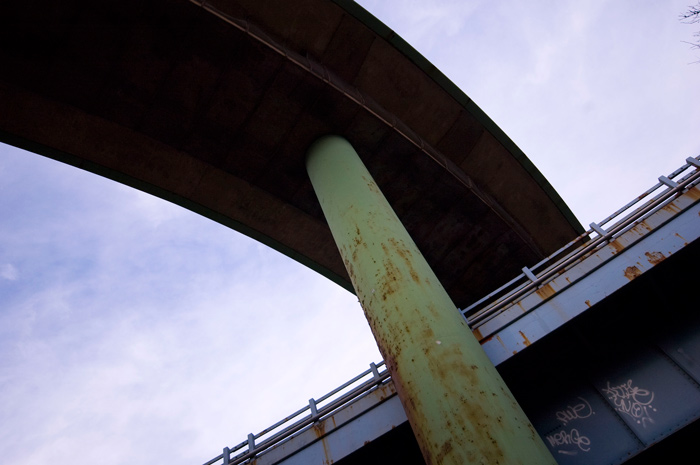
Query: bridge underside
215	108
636	333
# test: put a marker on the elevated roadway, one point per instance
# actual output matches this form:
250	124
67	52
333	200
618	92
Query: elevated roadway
212	105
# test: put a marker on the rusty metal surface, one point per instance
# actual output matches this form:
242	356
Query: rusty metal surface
618	383
341	433
170	98
580	286
342	401
456	402
547	269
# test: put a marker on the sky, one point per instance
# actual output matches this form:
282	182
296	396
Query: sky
132	330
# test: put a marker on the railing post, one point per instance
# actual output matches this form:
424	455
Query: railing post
529	274
600	231
314	410
226	455
375	372
251	444
668	182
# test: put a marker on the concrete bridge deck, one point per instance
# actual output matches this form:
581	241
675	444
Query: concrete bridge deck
212	105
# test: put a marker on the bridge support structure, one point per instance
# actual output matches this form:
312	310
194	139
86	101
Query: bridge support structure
459	408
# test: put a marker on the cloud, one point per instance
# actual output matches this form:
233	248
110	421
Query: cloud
140	325
8	271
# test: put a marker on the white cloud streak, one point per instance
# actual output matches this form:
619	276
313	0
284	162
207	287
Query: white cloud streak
8	271
142	326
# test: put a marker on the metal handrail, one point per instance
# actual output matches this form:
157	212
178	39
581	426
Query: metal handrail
316	413
527	282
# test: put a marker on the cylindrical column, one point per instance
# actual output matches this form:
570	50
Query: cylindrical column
459	408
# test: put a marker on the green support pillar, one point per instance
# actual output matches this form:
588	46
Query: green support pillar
459	408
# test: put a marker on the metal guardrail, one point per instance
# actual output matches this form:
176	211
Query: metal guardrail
299	420
584	245
479	312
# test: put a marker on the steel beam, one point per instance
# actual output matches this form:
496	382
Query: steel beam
458	406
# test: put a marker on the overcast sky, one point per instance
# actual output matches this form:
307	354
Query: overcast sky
133	331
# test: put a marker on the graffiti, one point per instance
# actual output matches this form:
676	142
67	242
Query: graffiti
573	412
562	441
566	438
632	400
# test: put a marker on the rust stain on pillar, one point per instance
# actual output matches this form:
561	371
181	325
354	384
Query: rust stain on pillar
459	408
